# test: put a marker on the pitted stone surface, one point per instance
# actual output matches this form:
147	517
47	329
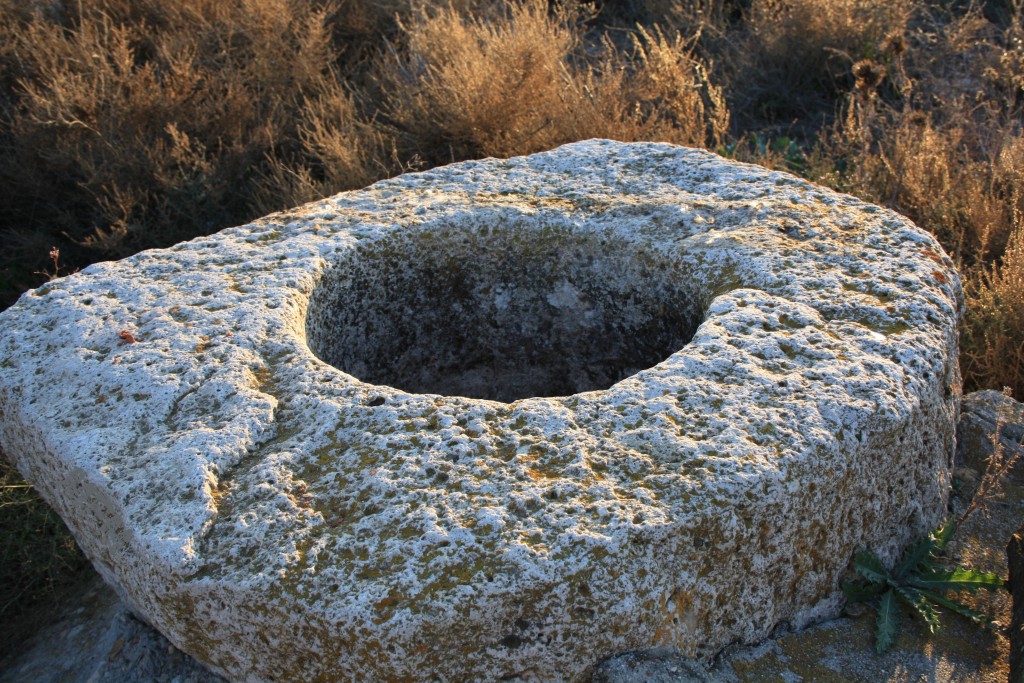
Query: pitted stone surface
768	382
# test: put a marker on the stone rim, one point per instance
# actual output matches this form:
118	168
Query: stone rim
175	536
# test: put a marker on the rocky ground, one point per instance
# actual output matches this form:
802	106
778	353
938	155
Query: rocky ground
97	640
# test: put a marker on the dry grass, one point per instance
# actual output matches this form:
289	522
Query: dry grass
790	58
711	16
128	125
136	124
993	332
938	138
519	82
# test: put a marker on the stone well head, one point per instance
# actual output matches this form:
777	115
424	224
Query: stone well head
503	418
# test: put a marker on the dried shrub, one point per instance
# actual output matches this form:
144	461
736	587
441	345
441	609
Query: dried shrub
137	124
367	21
959	189
154	122
689	16
339	149
993	330
665	94
519	83
944	147
792	58
467	87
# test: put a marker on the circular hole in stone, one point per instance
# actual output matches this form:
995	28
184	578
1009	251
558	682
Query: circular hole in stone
500	313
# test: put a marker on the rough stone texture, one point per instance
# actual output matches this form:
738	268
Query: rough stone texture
785	390
843	650
93	640
980	411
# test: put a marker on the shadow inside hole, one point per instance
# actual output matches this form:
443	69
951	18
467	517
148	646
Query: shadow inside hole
501	313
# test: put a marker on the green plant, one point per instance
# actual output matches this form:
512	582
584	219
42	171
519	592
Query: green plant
921	581
781	152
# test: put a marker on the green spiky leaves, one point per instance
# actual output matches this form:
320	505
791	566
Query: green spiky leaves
921	582
887	625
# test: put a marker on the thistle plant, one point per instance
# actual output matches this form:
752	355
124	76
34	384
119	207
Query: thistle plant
921	581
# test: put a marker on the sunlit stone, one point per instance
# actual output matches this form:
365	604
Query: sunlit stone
501	418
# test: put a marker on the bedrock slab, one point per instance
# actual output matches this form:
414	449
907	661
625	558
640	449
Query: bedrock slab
496	419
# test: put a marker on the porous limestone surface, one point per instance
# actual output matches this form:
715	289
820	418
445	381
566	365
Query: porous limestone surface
498	419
